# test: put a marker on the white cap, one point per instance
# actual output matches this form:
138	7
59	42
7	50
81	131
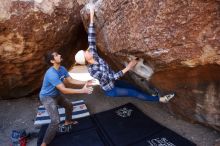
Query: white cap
80	58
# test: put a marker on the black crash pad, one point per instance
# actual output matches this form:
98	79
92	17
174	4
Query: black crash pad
122	126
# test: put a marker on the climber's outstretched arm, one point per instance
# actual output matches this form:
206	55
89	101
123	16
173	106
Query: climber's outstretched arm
91	32
92	11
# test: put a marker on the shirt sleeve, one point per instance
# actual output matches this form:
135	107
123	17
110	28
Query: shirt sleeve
105	77
54	79
66	73
115	76
92	38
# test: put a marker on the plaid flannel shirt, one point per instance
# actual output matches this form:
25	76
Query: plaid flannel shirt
100	71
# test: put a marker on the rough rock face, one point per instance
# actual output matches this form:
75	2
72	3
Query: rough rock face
178	40
28	29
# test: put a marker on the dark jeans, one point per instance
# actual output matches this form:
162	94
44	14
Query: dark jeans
123	88
50	104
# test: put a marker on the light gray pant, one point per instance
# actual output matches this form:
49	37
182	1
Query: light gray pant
50	104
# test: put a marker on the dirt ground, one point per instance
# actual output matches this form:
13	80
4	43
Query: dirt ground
20	114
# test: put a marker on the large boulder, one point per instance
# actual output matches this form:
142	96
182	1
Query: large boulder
179	42
28	29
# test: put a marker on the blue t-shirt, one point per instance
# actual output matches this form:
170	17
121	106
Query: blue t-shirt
52	78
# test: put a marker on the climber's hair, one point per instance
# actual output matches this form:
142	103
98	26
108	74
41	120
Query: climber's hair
48	57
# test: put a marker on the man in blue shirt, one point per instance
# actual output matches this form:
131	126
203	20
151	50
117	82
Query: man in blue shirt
108	79
50	94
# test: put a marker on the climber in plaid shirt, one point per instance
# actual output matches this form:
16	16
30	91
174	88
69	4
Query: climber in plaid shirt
100	70
108	79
